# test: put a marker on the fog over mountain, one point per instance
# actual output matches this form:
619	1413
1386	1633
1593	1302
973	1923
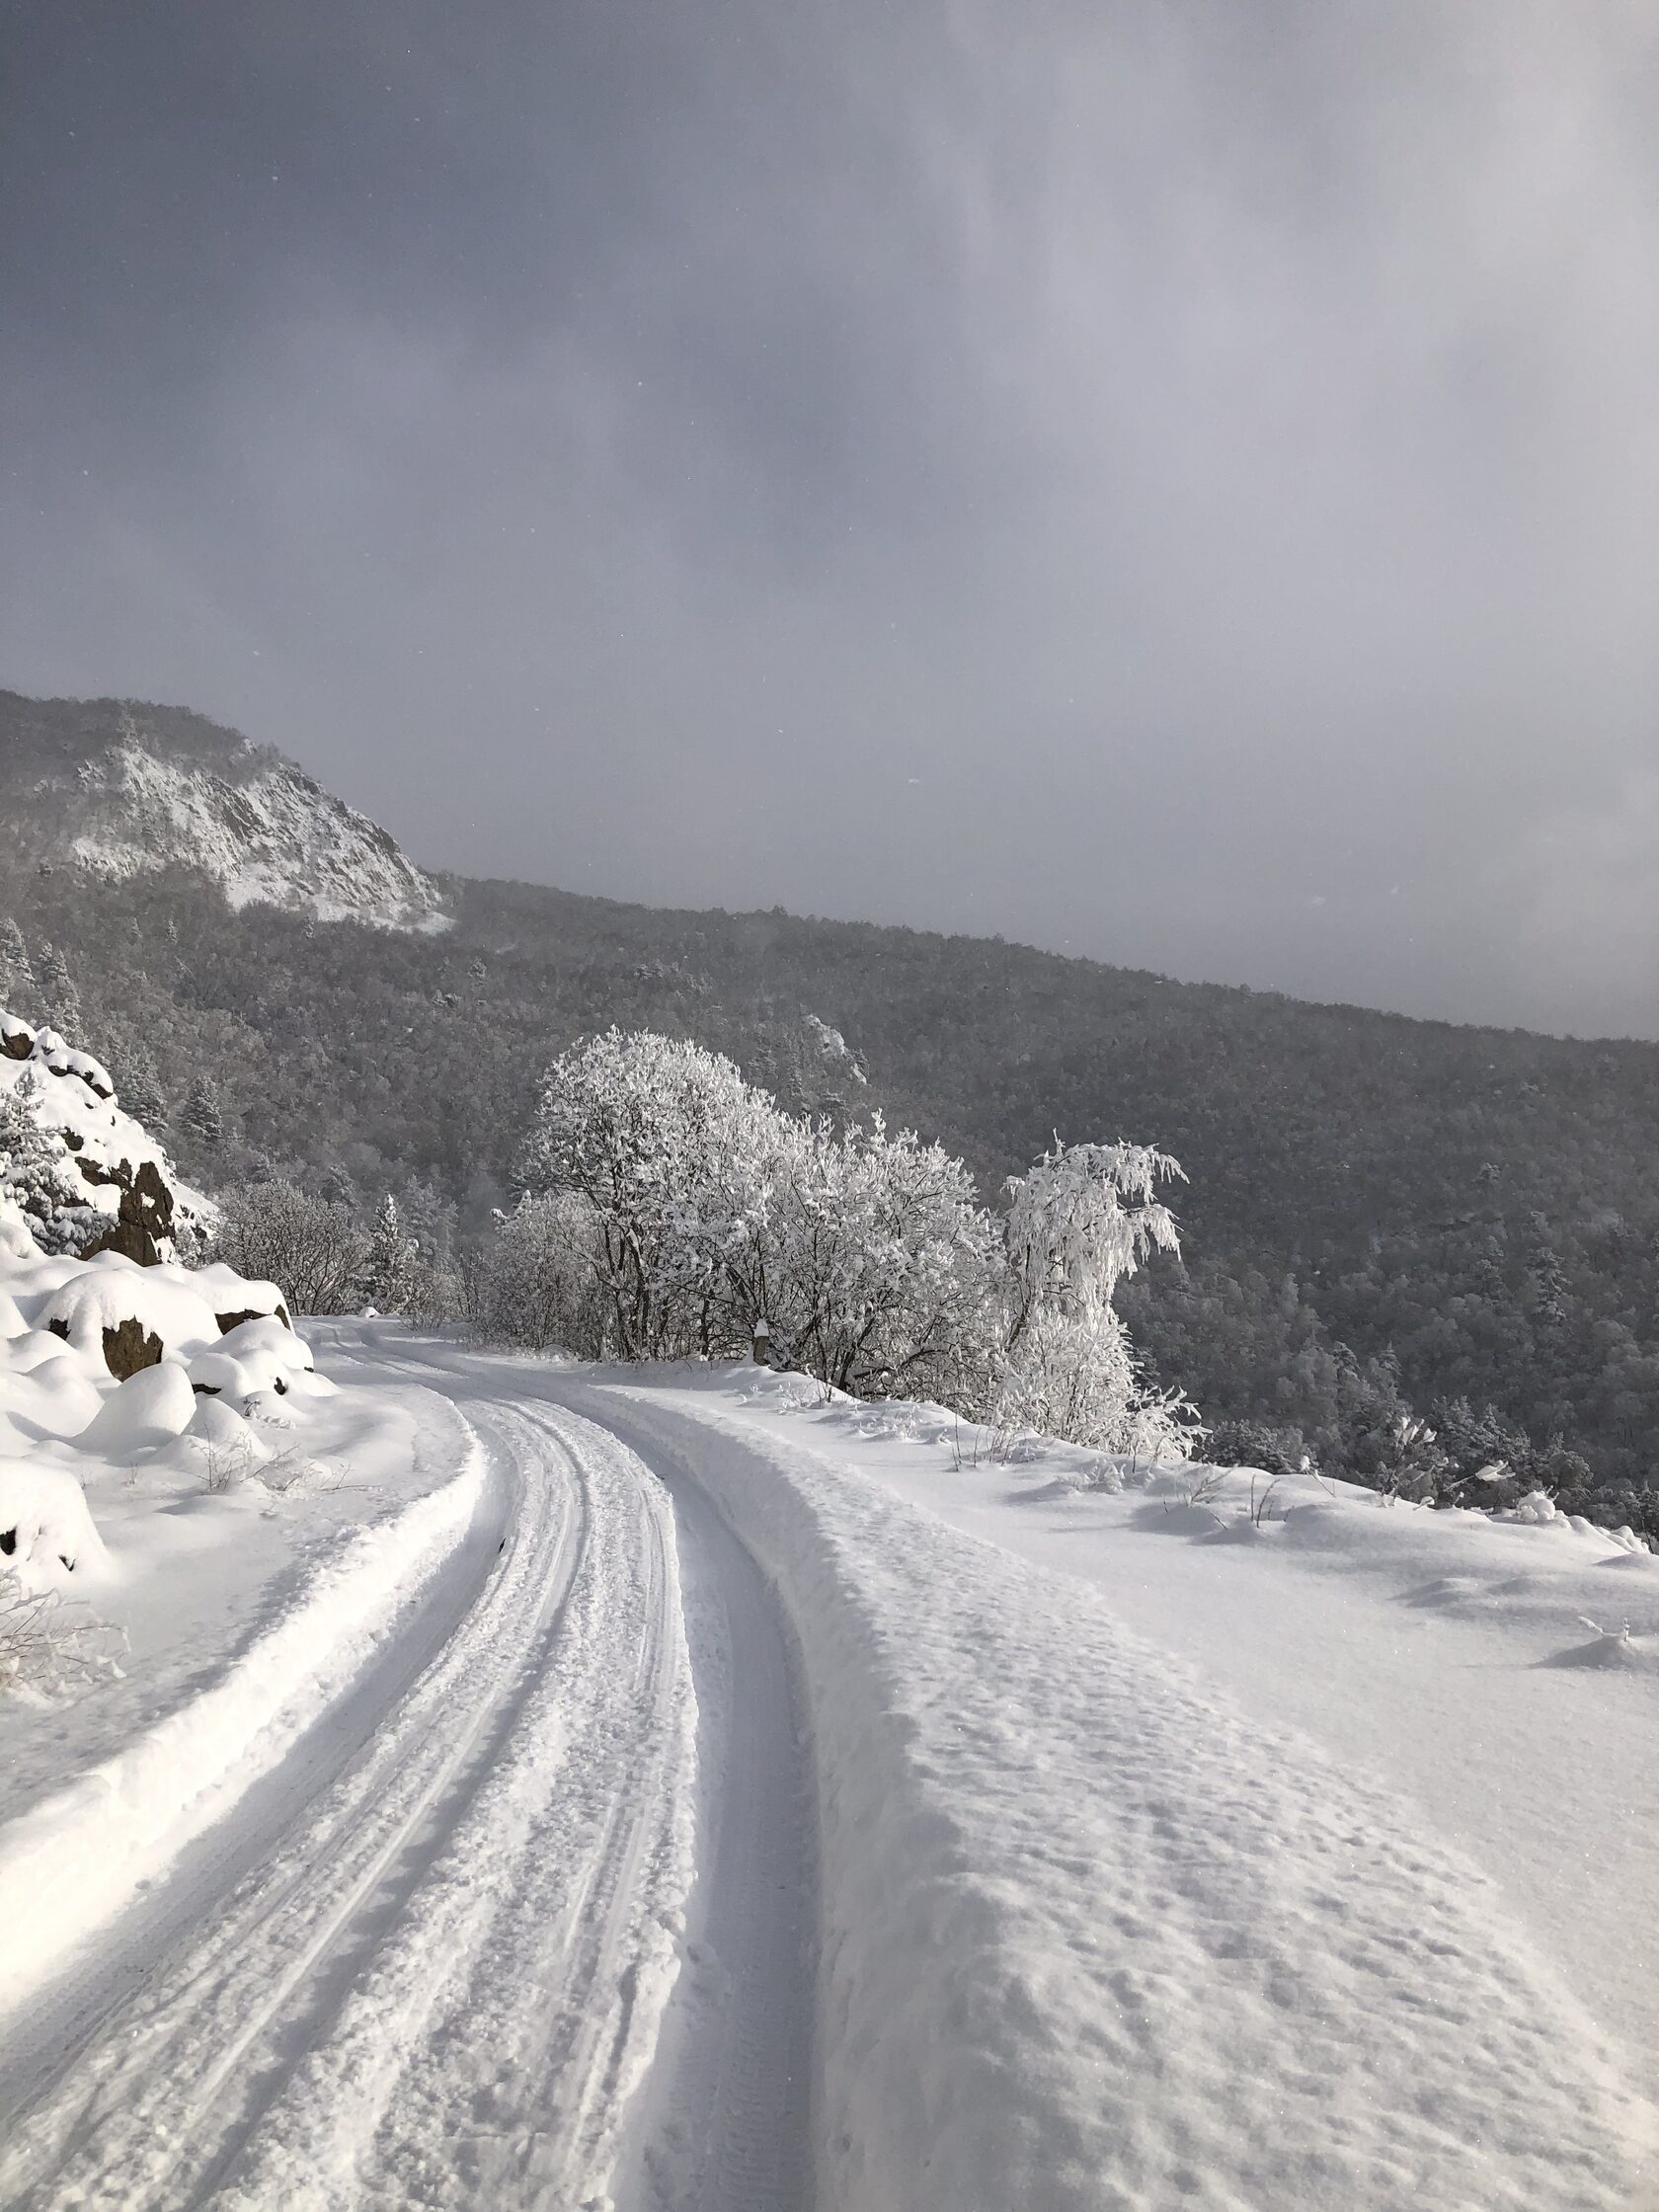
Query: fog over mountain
1175	485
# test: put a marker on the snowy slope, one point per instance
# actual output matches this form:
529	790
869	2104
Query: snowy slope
272	837
106	1161
121	788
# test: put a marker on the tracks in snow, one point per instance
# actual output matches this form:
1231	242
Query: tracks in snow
441	1983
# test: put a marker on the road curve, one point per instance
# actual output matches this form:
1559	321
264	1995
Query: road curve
432	1967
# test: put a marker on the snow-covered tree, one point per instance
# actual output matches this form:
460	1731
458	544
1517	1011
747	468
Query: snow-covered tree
55	988
1084	1217
141	1093
655	1136
16	970
38	1173
201	1114
389	1265
881	1268
538	1280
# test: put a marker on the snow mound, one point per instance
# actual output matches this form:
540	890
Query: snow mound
47	1532
149	1409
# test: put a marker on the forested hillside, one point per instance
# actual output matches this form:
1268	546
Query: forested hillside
1382	1213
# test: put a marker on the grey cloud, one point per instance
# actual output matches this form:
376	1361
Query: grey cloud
1116	477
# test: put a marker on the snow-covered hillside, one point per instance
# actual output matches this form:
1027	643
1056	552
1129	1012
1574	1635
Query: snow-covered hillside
276	839
122	789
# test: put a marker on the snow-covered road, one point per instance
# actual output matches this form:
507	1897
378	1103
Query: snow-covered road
761	1806
426	1961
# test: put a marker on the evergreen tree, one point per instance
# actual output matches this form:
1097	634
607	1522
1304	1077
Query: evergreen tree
140	1093
201	1116
17	973
39	1175
388	1269
59	995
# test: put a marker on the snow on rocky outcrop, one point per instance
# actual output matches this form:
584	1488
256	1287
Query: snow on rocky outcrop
271	836
110	1347
123	788
834	1049
89	1176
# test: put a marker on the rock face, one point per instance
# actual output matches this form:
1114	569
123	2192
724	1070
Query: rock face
128	1347
123	789
143	1225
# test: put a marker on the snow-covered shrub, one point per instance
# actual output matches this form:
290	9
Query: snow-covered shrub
313	1248
538	1280
675	1209
48	1646
1074	1375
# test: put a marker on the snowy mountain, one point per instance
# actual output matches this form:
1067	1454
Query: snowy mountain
122	789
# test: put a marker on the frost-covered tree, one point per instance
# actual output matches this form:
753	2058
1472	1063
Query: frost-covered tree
201	1114
38	1173
655	1138
1082	1219
390	1262
881	1269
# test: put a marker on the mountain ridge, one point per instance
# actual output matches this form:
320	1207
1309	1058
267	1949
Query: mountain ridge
121	788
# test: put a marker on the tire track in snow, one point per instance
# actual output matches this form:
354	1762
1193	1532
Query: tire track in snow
442	1984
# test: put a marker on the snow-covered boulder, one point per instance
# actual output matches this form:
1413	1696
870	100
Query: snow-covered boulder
236	1298
130	1315
149	1408
47	1532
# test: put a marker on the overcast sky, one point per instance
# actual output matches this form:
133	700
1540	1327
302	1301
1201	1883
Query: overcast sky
1175	481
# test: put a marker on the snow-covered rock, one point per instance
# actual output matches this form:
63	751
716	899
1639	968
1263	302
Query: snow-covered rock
101	1181
263	831
46	1534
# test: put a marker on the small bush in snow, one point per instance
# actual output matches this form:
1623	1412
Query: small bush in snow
48	1647
313	1248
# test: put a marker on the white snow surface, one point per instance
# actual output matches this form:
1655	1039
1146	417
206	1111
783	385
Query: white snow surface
1158	1854
1100	1927
273	837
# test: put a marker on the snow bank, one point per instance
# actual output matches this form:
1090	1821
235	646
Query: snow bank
70	1863
1093	1938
